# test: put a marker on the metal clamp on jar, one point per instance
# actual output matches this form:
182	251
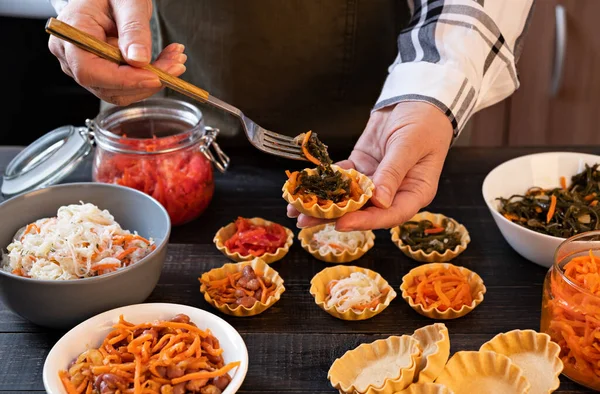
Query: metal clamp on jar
158	146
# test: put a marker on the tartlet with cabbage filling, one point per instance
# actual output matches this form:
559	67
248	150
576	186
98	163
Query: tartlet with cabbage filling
351	293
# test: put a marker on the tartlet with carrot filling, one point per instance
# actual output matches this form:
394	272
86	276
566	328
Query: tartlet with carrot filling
327	191
351	293
431	237
246	239
242	289
442	290
331	246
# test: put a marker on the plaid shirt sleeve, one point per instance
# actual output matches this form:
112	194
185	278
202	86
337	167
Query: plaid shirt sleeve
458	55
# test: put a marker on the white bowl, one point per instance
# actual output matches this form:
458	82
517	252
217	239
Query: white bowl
515	177
91	332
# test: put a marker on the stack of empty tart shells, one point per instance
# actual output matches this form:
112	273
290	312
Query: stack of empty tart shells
519	361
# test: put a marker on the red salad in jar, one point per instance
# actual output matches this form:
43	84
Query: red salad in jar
158	152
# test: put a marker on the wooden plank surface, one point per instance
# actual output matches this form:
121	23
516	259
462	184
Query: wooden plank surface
292	345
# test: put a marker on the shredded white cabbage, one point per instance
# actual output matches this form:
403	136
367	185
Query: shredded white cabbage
328	240
80	242
356	290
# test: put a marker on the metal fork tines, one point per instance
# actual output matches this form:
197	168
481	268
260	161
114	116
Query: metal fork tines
263	139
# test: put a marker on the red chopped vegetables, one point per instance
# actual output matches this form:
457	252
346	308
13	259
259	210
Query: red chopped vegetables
182	181
256	240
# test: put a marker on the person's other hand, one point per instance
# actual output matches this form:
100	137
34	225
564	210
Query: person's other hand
122	23
402	150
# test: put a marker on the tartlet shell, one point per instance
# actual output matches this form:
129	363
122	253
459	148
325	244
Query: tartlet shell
240	310
466	368
477	291
228	231
318	289
419	255
542	366
306	234
334	211
345	370
426	388
435	342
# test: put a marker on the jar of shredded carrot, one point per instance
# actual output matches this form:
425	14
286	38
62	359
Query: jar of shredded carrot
571	307
162	148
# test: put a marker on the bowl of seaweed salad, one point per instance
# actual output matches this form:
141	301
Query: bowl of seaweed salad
539	200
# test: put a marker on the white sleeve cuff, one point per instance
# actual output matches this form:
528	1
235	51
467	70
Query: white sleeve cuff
440	85
59	5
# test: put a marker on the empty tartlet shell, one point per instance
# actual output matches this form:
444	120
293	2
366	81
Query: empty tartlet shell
419	255
468	371
534	353
305	236
362	370
239	310
228	231
426	388
334	211
435	343
477	291
318	289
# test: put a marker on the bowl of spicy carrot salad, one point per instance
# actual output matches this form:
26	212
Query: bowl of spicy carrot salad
571	307
164	348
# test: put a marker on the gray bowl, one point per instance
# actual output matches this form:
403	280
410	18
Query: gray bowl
63	304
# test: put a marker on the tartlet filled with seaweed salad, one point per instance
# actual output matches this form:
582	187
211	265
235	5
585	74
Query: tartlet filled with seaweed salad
327	191
561	211
431	237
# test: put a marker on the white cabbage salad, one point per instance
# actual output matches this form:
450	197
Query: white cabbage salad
357	291
328	240
82	241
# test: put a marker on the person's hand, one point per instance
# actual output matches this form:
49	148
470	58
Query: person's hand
402	150
122	23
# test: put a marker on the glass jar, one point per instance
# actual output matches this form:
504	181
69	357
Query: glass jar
158	146
571	313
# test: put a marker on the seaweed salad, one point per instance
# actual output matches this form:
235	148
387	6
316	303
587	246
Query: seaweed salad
560	212
326	184
426	236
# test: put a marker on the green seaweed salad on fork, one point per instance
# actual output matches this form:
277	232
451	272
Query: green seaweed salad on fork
562	211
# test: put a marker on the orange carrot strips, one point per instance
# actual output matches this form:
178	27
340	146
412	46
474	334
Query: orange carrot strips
206	374
305	150
563	182
434	230
552	208
136	361
441	288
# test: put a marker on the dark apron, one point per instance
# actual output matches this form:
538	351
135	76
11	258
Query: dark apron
289	65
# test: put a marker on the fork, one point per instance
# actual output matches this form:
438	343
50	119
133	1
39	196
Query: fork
261	138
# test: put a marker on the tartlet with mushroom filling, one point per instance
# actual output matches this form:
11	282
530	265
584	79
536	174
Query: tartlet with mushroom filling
328	191
242	289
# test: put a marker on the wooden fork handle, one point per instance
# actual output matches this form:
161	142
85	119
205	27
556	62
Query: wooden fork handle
100	48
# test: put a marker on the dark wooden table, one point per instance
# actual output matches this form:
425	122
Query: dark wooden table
292	345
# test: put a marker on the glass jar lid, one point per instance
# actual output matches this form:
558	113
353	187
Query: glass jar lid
54	156
47	161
